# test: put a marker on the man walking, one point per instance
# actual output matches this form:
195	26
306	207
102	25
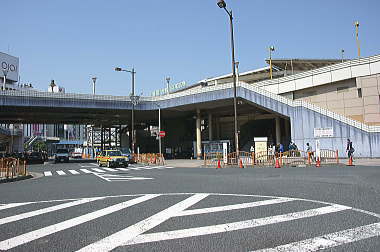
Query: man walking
349	148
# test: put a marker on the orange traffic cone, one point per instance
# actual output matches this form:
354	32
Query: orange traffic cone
350	162
277	164
219	166
241	164
318	162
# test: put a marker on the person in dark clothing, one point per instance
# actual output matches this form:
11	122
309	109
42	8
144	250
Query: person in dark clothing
349	148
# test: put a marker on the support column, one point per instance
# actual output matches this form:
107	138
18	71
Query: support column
198	134
287	130
217	126
278	131
210	127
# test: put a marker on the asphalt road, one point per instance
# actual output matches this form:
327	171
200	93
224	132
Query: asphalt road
75	207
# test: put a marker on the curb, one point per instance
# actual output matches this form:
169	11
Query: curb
16	179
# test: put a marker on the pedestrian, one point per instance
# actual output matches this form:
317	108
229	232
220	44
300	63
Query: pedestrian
309	151
350	150
281	148
252	149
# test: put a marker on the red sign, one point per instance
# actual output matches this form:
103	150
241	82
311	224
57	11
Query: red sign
162	133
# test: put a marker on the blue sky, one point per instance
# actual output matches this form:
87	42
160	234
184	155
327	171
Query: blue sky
70	41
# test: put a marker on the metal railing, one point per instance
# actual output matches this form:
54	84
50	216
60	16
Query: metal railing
12	168
149	158
255	88
267	158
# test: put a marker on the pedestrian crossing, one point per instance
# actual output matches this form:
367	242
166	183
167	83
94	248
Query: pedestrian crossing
90	170
185	205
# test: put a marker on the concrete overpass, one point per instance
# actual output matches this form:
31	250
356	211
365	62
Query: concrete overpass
259	100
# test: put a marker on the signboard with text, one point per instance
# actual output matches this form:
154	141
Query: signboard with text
9	65
323	132
172	88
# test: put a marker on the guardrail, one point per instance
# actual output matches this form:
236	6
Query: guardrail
12	168
266	158
149	158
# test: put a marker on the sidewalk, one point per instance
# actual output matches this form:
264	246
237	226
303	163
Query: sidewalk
362	161
194	163
190	163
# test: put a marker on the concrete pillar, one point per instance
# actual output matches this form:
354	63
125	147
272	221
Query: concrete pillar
278	130
287	130
210	127
217	126
198	134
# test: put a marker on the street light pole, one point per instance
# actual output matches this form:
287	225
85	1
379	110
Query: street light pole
159	130
134	100
167	84
342	51
271	49
357	37
5	73
93	85
223	5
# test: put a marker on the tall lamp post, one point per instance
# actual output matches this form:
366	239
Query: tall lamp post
5	73
93	85
159	128
223	5
357	37
271	49
167	84
342	51
134	100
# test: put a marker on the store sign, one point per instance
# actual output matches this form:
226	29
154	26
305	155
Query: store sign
323	132
172	88
9	65
225	160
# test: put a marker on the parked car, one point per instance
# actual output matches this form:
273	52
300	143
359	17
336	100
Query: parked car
35	158
61	155
76	154
127	153
112	158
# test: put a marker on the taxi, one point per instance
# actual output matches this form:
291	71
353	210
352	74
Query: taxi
112	158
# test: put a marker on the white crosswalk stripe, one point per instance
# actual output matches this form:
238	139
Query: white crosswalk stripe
48	173
138	232
85	170
330	240
39	233
97	170
109	169
103	170
45	210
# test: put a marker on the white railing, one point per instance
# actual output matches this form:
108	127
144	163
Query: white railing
326	69
312	107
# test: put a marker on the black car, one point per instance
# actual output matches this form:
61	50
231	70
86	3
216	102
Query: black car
35	158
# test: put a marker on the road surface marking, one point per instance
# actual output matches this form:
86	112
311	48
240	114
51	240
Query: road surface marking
123	169
330	240
121	238
74	172
233	207
14	205
109	169
85	171
118	177
60	172
39	233
233	226
97	170
48	173
45	210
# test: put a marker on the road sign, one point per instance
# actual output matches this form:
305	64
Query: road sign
162	133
